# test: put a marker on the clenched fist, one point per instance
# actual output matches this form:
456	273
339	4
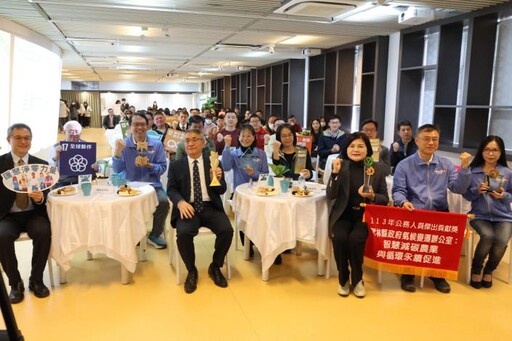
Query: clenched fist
336	165
464	159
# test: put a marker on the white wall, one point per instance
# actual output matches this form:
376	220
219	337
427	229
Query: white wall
30	84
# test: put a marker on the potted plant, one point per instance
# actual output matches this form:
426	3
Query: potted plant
279	172
210	103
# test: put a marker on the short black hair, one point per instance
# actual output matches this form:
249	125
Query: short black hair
196	119
356	136
333	117
427	128
138	114
403	123
365	122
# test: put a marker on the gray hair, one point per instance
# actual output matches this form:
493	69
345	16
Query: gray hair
18	126
70	123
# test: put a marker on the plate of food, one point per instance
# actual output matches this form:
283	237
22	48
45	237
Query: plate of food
265	191
63	191
127	191
301	192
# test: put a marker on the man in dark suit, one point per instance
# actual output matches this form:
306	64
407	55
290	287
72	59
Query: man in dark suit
182	124
196	204
110	121
20	212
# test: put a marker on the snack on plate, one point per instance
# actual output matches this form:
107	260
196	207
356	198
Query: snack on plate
265	190
65	190
126	190
301	192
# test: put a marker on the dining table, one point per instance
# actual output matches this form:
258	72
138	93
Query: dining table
275	223
104	222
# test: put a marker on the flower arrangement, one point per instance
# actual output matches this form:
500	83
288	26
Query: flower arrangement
279	170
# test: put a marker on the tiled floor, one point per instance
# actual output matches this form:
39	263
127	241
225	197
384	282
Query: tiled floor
294	304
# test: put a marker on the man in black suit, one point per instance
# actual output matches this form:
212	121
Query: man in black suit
196	204
182	124
110	121
20	212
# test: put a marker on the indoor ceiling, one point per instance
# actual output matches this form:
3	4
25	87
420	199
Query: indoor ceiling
198	40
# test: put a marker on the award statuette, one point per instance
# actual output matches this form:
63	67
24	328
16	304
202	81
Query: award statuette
214	163
494	180
368	172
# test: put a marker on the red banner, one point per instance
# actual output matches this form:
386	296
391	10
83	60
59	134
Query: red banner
418	243
305	141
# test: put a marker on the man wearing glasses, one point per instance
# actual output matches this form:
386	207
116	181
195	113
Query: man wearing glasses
196	204
140	158
23	212
421	182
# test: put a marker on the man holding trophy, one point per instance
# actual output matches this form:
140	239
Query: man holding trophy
195	185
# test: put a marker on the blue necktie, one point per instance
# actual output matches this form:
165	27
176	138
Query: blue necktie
198	195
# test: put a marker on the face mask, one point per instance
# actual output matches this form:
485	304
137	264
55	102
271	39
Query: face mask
322	124
271	126
208	121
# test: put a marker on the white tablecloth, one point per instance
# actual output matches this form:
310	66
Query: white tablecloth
276	223
100	223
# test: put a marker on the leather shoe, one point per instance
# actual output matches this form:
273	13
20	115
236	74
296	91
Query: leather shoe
191	282
475	284
39	289
16	295
407	283
217	276
441	285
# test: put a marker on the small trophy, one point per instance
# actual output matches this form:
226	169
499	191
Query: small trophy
368	172
494	180
214	163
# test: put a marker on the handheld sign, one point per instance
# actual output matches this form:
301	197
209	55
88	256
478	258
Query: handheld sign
31	177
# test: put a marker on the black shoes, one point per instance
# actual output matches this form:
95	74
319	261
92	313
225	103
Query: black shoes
191	282
407	283
487	284
39	289
16	295
441	285
216	275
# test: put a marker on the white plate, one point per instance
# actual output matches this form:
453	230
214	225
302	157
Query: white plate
269	192
64	194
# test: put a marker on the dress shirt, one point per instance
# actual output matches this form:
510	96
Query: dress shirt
204	189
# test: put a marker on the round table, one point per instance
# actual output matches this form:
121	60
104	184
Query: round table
275	223
100	223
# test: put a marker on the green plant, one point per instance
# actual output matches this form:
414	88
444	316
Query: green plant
210	103
305	133
279	170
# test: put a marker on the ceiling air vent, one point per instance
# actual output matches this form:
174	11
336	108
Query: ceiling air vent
321	9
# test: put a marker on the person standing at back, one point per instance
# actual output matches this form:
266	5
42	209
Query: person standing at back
404	146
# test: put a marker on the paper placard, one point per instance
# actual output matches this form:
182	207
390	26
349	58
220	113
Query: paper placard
104	189
76	158
172	138
124	128
31	177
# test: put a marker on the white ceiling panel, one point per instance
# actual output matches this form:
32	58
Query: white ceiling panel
144	40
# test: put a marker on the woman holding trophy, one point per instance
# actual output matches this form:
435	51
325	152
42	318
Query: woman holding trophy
246	161
490	192
355	179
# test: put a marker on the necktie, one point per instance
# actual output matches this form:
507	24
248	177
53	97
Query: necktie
21	198
198	195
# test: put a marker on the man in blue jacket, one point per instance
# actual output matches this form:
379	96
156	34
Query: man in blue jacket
145	164
421	182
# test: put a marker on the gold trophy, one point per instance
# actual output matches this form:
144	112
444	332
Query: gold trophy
214	163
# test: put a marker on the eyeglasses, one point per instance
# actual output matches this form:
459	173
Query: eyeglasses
430	139
193	140
139	124
493	150
22	138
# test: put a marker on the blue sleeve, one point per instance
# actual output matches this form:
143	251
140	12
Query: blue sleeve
227	160
400	185
160	164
